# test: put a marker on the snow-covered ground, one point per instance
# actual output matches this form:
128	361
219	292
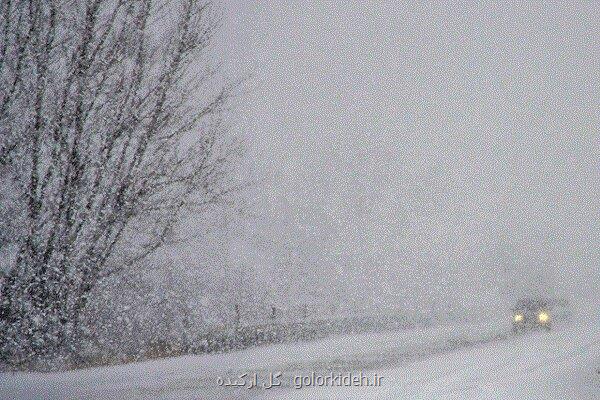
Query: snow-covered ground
475	360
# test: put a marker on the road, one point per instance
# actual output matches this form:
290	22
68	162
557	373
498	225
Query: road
564	364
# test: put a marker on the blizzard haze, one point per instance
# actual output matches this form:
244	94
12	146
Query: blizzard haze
424	153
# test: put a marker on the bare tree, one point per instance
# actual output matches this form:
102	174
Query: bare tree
107	137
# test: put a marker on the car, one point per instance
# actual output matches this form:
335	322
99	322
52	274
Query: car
532	314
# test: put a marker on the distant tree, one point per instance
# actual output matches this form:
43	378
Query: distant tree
107	137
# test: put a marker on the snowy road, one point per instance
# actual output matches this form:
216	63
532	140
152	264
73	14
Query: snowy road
564	364
468	361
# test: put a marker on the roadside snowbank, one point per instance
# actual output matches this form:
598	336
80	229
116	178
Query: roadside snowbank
196	376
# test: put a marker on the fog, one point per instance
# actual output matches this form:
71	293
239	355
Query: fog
418	154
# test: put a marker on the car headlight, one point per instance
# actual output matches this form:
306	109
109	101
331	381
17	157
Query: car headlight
518	317
543	317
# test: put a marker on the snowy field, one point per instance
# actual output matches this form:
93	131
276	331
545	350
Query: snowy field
475	360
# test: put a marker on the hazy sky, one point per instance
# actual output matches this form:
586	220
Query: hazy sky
403	144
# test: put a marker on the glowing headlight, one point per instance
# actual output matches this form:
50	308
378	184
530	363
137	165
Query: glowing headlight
518	317
543	317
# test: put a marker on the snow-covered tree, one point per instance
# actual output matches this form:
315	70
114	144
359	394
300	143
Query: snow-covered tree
110	130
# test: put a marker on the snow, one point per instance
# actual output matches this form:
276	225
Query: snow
470	360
